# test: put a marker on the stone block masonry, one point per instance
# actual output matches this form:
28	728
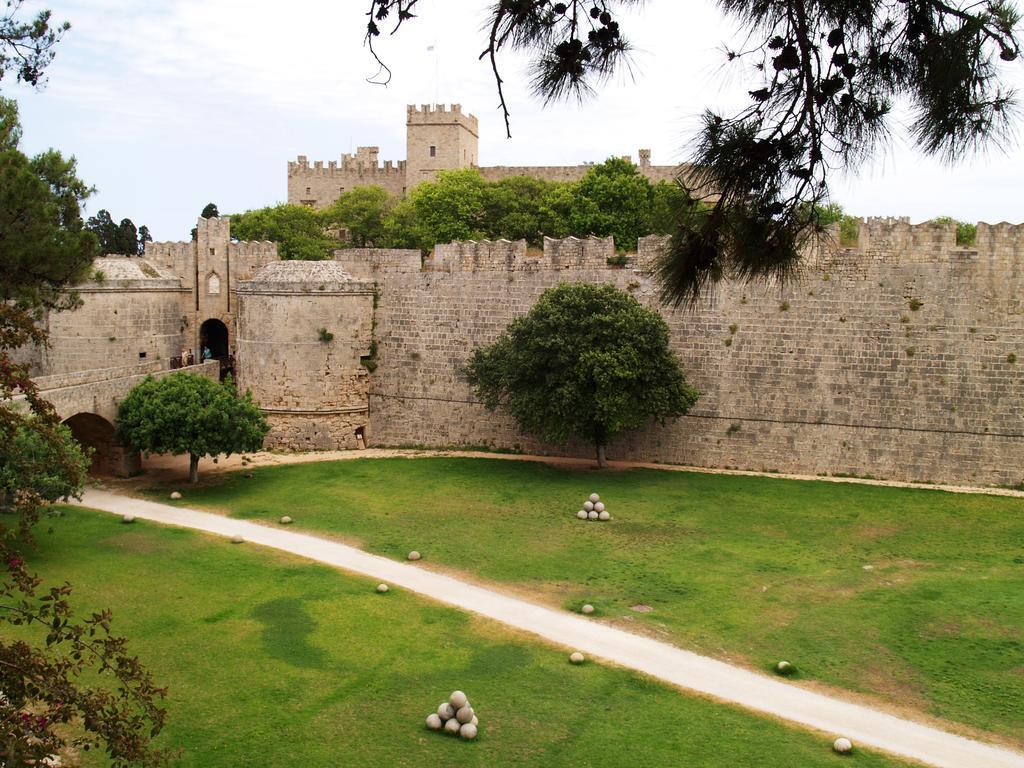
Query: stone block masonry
902	358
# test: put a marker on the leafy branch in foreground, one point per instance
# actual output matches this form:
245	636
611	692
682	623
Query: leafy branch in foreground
826	77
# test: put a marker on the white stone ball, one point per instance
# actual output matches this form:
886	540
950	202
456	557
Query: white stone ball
588	505
593	515
434	722
465	714
452	726
599	507
382	588
285	520
587	609
236	539
474	721
582	514
414	555
128	519
842	745
783	667
468	731
594	498
445	711
175	495
604	516
576	657
458	699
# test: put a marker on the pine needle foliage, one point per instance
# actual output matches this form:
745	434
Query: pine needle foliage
825	78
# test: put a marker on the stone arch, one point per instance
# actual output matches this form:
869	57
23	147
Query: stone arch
214	334
109	456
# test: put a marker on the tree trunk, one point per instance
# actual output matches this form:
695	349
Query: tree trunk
193	468
602	460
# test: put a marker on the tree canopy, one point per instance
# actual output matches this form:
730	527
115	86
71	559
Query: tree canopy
186	413
121	238
45	246
823	79
586	361
298	230
363	212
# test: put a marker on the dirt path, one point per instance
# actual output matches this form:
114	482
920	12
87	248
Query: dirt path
865	726
170	468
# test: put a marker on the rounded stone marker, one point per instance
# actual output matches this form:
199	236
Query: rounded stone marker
236	539
382	588
784	668
445	711
285	520
128	519
576	657
588	505
452	726
587	609
434	722
458	700
414	555
594	498
468	731
175	495
604	516
599	507
464	715
582	514
593	515
842	745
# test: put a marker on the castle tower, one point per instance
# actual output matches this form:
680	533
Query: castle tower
438	138
303	327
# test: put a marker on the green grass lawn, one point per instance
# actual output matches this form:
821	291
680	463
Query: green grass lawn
272	661
912	596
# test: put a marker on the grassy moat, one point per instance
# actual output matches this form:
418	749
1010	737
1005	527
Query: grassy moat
271	661
912	597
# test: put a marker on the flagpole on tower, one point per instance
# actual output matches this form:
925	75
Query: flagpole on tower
433	49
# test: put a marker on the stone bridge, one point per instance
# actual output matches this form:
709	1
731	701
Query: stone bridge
87	402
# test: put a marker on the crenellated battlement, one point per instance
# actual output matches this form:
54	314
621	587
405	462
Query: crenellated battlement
348	165
505	255
441	114
895	239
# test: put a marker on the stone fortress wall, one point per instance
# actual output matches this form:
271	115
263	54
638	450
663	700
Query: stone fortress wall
438	138
303	327
901	358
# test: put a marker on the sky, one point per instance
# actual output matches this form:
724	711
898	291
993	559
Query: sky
170	105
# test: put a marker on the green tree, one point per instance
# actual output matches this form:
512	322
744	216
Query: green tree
144	237
666	200
362	211
186	413
210	211
297	230
400	228
824	76
451	207
612	199
45	245
121	238
514	208
60	680
586	361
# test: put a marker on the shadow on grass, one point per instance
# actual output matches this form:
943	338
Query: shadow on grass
286	630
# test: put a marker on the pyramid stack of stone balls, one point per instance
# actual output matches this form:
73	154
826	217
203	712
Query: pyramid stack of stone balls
593	509
455	717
